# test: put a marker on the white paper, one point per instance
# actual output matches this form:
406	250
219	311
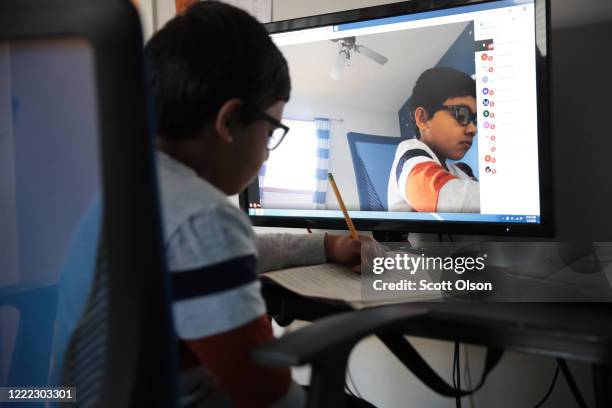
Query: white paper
335	283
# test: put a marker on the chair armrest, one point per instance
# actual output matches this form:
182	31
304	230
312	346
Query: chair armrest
334	334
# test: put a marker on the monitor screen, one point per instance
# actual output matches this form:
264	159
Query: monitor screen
427	119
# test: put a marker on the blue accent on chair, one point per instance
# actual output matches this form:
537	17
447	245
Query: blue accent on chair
372	160
76	279
36	304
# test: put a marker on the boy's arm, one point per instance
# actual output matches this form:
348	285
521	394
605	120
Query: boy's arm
220	316
227	357
430	188
278	251
282	250
219	312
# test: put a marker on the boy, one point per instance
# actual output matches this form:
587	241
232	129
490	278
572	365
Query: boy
219	85
443	110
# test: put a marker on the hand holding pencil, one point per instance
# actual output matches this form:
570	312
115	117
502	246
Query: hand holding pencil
341	249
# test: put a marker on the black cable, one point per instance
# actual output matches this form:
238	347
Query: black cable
550	389
440	237
468	375
454	368
450	238
572	384
457	380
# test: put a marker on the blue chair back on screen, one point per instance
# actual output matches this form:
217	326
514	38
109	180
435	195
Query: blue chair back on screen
372	159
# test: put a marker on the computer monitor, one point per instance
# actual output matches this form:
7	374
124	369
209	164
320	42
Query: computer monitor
465	151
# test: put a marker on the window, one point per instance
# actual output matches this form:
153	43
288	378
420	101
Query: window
290	170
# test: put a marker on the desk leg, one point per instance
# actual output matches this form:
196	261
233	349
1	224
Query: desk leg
602	379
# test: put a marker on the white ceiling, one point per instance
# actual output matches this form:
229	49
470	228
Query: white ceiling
366	84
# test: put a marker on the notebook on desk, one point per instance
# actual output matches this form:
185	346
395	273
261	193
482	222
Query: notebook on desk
335	283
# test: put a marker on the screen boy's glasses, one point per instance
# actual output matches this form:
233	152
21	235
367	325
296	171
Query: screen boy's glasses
277	135
462	114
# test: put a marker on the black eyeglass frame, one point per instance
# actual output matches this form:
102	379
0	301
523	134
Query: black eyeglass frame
454	110
278	124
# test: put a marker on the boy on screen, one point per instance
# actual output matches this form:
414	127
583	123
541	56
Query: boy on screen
443	110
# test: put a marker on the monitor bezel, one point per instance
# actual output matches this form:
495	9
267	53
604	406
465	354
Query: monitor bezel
543	229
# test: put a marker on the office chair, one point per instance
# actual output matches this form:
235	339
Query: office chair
35	304
104	37
372	159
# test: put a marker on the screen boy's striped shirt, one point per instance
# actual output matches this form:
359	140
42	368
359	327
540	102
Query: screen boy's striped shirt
420	182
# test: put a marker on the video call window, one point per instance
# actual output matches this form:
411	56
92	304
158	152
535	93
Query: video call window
425	116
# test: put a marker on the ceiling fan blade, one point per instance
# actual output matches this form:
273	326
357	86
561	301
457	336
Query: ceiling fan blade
371	54
339	66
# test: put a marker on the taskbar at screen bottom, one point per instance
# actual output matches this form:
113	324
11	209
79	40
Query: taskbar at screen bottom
385	215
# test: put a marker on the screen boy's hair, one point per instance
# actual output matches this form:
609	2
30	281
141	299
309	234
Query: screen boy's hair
210	54
436	85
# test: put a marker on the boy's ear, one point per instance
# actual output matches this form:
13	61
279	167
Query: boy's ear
227	115
420	118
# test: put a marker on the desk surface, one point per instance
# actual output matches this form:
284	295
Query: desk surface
578	331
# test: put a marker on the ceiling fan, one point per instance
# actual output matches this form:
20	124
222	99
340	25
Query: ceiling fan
346	46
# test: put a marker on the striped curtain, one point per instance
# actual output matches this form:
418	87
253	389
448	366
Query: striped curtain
322	125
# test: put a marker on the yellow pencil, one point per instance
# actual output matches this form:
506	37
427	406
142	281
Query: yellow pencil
349	222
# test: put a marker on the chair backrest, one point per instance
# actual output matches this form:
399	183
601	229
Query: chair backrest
372	159
73	122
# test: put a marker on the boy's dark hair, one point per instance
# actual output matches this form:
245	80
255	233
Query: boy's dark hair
436	85
212	53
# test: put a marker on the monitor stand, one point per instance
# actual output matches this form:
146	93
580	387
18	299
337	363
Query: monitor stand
390	236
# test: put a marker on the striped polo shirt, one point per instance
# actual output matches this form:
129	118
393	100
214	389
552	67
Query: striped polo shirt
419	182
219	312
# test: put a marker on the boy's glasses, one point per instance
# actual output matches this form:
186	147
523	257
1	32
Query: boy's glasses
462	114
277	135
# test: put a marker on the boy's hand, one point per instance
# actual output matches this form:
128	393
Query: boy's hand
344	250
